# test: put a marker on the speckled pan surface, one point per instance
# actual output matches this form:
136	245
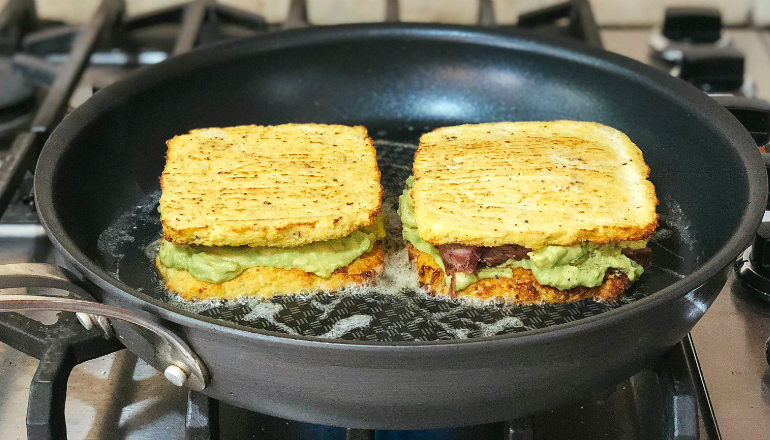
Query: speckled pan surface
399	81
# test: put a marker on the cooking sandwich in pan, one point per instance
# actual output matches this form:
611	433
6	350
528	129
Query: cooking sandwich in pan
520	211
264	211
539	229
529	211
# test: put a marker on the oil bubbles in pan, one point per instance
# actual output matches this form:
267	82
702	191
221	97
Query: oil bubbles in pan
395	309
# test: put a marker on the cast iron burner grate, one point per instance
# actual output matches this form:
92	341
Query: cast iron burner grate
59	347
667	400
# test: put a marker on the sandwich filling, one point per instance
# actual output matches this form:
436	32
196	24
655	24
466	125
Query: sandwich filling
562	267
216	264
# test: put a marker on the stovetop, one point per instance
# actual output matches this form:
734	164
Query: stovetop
730	338
120	396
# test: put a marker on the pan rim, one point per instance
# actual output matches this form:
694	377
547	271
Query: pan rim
522	40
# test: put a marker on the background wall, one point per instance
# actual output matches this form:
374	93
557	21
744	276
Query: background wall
608	12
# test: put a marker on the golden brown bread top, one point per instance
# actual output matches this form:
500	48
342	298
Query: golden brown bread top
532	184
283	185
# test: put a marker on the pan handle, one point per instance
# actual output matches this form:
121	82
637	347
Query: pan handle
182	365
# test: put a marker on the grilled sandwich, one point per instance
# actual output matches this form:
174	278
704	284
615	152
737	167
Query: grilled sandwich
270	210
528	211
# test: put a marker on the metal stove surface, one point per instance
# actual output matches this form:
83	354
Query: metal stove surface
120	396
730	338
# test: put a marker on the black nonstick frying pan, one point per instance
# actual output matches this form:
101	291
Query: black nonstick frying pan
387	360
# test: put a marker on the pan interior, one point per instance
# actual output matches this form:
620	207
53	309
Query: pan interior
396	309
105	179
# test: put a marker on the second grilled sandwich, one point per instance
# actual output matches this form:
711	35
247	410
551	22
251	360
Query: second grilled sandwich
528	211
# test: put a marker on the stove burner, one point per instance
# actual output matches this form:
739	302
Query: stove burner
687	28
712	69
17	99
693	25
753	267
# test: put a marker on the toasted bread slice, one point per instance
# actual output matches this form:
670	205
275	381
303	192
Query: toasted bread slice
283	185
270	281
532	184
521	288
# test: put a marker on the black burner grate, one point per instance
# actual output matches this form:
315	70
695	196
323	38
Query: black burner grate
59	347
64	344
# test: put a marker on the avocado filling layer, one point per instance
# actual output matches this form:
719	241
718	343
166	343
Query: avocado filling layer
562	267
216	264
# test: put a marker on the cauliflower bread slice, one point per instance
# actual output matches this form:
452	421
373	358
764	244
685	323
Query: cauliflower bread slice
270	210
528	211
282	185
532	184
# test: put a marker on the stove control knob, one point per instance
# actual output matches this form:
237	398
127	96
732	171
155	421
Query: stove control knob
692	25
753	267
753	113
760	251
713	69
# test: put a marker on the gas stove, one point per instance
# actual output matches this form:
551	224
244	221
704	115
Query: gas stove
67	381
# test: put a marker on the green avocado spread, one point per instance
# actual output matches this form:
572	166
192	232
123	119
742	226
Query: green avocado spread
215	264
562	267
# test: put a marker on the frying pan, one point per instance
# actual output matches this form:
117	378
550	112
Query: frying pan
99	172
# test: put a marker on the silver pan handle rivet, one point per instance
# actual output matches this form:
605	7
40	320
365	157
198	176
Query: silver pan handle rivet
168	348
175	375
85	320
